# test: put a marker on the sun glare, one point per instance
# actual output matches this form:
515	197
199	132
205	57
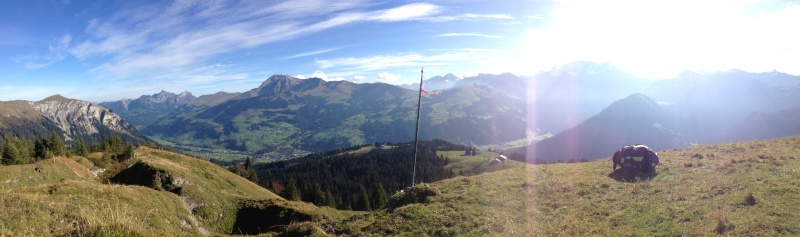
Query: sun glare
660	39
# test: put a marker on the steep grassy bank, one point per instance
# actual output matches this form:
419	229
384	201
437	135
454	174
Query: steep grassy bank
59	197
169	195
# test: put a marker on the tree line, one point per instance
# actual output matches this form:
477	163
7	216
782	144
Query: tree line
355	181
17	151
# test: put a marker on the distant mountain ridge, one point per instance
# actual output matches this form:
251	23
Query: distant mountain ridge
435	83
286	114
636	119
148	108
71	119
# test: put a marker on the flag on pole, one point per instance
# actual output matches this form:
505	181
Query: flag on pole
435	93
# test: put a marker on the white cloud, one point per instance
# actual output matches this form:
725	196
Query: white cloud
148	40
470	34
389	78
358	79
318	74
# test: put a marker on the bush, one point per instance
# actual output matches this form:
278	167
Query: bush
417	194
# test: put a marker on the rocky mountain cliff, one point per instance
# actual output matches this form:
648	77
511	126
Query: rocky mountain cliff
69	118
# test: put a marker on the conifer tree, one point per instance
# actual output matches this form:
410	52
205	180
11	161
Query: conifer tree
16	151
251	172
41	149
81	149
57	145
330	199
363	201
127	153
379	197
291	192
318	196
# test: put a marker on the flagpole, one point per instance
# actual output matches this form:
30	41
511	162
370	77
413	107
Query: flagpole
416	134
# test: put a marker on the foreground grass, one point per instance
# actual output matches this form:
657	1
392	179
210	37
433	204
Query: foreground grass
177	196
740	189
63	199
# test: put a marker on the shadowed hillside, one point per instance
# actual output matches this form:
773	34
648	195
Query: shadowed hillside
634	120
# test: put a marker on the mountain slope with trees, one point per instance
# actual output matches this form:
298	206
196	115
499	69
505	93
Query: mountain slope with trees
286	115
356	181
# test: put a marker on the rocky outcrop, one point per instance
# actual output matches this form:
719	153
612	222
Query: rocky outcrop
79	119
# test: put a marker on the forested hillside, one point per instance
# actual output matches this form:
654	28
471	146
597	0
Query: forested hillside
358	181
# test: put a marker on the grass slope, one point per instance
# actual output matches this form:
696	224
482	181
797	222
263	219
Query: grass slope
737	189
177	196
63	199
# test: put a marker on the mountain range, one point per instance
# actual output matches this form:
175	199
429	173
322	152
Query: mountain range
595	105
286	115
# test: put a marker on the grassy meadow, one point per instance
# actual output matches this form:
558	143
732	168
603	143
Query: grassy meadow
738	189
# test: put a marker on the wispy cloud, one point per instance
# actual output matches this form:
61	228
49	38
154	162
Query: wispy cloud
315	52
487	16
471	17
55	53
406	12
147	40
384	62
469	34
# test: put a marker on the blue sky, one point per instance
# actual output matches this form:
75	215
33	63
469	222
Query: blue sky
109	50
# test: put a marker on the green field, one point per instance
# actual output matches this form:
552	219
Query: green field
472	165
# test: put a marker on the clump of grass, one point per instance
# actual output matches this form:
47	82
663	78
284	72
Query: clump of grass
749	199
723	224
